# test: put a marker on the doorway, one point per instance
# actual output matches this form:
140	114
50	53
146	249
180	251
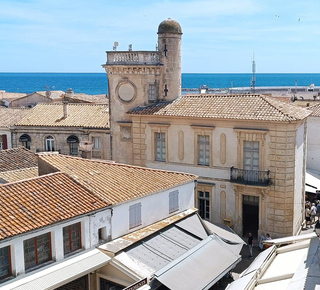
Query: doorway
250	215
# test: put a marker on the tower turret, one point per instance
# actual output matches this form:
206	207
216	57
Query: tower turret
169	46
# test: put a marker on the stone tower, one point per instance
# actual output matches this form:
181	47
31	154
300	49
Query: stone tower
169	42
138	78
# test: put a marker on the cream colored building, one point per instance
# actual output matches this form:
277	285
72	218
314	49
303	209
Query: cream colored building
249	150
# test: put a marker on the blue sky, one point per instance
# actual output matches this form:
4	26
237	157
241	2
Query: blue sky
218	36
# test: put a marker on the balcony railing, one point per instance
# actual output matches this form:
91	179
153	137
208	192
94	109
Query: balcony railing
250	177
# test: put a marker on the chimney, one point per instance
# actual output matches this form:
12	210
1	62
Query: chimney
65	107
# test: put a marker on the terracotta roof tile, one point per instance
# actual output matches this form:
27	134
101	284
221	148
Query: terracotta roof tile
19	174
237	107
17	158
38	202
79	115
115	182
315	110
10	116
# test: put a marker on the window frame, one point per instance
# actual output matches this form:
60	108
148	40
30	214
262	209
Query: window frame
244	134
7	266
27	142
152	92
204	147
174	201
73	142
36	247
160	143
204	188
200	130
135	218
159	128
70	240
49	144
93	138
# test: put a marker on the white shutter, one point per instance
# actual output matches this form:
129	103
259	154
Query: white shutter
135	215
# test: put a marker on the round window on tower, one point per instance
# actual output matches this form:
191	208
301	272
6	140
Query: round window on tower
126	90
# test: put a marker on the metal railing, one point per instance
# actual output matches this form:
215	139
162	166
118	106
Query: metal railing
251	177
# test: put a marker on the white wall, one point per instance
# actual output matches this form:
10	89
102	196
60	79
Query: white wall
154	207
299	174
90	225
313	143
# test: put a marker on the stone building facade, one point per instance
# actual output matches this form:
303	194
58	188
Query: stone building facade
71	129
248	150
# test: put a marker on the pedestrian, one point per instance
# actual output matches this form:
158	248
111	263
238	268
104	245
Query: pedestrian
308	216
250	244
268	238
313	211
318	209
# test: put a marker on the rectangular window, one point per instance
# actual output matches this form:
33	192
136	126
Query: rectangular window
5	262
251	161
204	204
204	150
251	155
71	238
173	201
135	215
152	92
74	148
96	143
160	146
37	250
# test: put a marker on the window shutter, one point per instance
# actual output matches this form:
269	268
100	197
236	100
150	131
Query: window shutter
4	141
135	215
173	201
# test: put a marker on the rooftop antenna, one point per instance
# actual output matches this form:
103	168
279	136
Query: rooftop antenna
115	44
130	47
253	79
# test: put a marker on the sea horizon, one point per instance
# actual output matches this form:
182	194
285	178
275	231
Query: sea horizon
96	83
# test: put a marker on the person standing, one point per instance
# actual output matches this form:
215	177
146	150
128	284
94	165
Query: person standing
313	213
308	217
250	244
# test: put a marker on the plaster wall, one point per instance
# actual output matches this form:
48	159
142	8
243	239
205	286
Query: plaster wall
154	207
313	143
89	237
299	178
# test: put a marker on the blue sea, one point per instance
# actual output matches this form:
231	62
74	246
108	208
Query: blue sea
97	83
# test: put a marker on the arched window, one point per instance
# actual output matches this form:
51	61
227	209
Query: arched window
73	142
25	140
49	143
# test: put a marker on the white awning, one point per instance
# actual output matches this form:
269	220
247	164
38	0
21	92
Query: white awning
225	233
312	180
199	268
61	273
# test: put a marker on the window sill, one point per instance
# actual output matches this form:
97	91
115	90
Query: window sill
39	266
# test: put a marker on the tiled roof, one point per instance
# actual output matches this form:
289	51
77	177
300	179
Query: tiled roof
79	115
114	182
17	158
10	116
315	110
11	96
52	94
41	201
19	174
96	99
236	107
